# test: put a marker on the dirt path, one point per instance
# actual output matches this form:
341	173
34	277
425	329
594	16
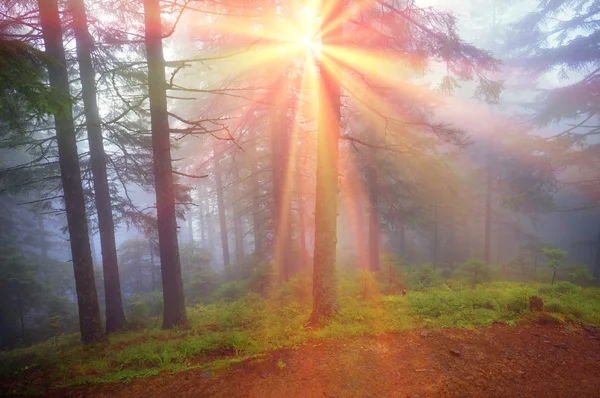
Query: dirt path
530	361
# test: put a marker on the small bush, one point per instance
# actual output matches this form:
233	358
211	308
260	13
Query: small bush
231	291
140	308
476	271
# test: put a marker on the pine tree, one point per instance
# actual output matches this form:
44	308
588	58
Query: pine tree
115	317
174	302
87	300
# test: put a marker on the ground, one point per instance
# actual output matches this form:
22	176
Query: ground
527	361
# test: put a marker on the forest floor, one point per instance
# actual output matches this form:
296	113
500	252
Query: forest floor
535	360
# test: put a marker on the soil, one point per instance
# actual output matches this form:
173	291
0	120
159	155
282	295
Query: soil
501	361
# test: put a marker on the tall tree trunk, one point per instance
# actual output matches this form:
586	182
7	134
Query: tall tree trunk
597	260
152	275
302	249
222	216
140	275
201	218
43	240
83	268
280	164
402	240
239	235
487	249
374	232
170	265
435	236
115	317
190	222
210	232
325	301
93	248
256	204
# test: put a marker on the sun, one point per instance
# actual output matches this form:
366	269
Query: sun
307	36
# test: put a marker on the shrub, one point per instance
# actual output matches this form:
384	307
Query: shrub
476	271
139	308
231	290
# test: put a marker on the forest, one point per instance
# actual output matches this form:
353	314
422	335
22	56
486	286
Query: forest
235	188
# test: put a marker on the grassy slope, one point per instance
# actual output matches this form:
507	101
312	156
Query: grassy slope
253	325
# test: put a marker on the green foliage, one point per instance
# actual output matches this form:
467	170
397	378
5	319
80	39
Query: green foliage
231	290
424	276
141	308
24	96
253	324
200	281
476	271
555	258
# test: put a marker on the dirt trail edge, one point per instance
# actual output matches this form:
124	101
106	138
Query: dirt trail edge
529	361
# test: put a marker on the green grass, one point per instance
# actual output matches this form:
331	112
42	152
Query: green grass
224	333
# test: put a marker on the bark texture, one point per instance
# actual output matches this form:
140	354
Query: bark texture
115	317
325	302
222	215
170	265
87	299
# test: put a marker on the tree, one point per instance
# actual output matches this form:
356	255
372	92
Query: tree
174	302
115	317
556	258
87	300
324	284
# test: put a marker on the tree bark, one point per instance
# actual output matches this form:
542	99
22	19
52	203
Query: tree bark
325	301
222	215
487	249
256	201
435	236
190	222
85	284
239	235
597	260
374	231
302	249
170	265
115	317
43	240
280	156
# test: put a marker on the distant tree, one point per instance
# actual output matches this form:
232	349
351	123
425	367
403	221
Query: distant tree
555	258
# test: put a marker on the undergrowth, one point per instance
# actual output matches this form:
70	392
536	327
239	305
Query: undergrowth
226	332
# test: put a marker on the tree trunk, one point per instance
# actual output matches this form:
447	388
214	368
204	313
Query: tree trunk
302	249
85	284
374	238
435	236
170	265
239	235
256	201
487	249
402	238
222	216
210	231
325	300
43	241
152	275
190	222
597	260
115	317
140	275
280	164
